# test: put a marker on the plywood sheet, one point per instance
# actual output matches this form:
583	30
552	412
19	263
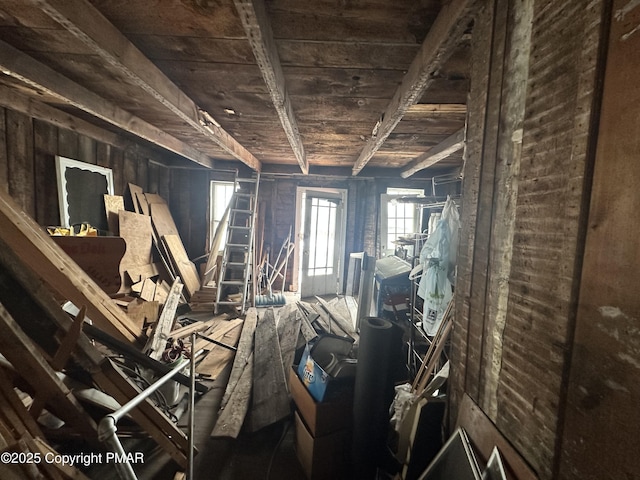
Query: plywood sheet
184	267
136	231
112	205
162	220
134	190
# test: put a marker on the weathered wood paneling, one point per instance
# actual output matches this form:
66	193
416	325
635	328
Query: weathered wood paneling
45	138
481	48
604	392
19	137
514	299
561	87
4	161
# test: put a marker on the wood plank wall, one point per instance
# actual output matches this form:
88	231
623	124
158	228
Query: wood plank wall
27	171
516	299
604	392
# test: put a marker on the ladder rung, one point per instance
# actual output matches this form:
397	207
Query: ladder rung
241	210
232	282
229	303
237	245
239	227
248	180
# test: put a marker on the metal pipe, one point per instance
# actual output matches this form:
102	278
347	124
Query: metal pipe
192	392
216	342
107	427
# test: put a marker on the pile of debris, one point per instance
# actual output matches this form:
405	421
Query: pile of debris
74	352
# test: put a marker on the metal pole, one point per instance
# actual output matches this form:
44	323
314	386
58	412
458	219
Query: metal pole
107	427
192	391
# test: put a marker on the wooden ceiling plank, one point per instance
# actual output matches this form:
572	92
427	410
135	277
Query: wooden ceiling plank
256	24
89	26
439	152
28	70
439	44
437	108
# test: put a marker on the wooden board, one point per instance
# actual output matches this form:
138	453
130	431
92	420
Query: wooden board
184	267
142	203
112	205
232	417
484	436
148	290
270	398
161	332
218	357
136	231
38	252
134	190
20	350
99	257
245	349
162	220
289	321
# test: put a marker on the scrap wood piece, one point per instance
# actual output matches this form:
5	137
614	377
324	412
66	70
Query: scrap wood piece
142	203
231	417
12	408
217	332
158	338
288	331
307	330
133	191
152	198
132	353
338	318
159	427
326	321
137	233
148	290
112	205
162	292
138	273
39	253
31	365
200	326
218	357
142	312
210	267
243	352
270	398
184	267
434	351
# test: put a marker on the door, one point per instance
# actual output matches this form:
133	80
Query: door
323	233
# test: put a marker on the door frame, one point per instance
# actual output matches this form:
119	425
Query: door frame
300	196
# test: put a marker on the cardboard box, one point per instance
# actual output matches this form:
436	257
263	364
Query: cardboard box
325	457
321	418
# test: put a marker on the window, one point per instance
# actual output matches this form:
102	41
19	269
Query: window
220	196
322	236
398	219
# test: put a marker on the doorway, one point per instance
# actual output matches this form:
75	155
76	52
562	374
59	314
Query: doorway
321	221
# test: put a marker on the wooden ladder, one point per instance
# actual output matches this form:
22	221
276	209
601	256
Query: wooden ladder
236	274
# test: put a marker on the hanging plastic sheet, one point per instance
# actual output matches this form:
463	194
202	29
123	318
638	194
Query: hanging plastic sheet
438	258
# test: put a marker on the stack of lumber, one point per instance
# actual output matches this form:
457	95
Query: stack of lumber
257	394
62	336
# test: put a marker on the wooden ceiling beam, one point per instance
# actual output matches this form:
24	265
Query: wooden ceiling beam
91	28
28	70
258	28
438	152
445	33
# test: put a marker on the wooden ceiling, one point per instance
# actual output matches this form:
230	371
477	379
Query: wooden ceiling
280	85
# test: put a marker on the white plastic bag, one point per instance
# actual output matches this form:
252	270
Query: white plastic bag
438	267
